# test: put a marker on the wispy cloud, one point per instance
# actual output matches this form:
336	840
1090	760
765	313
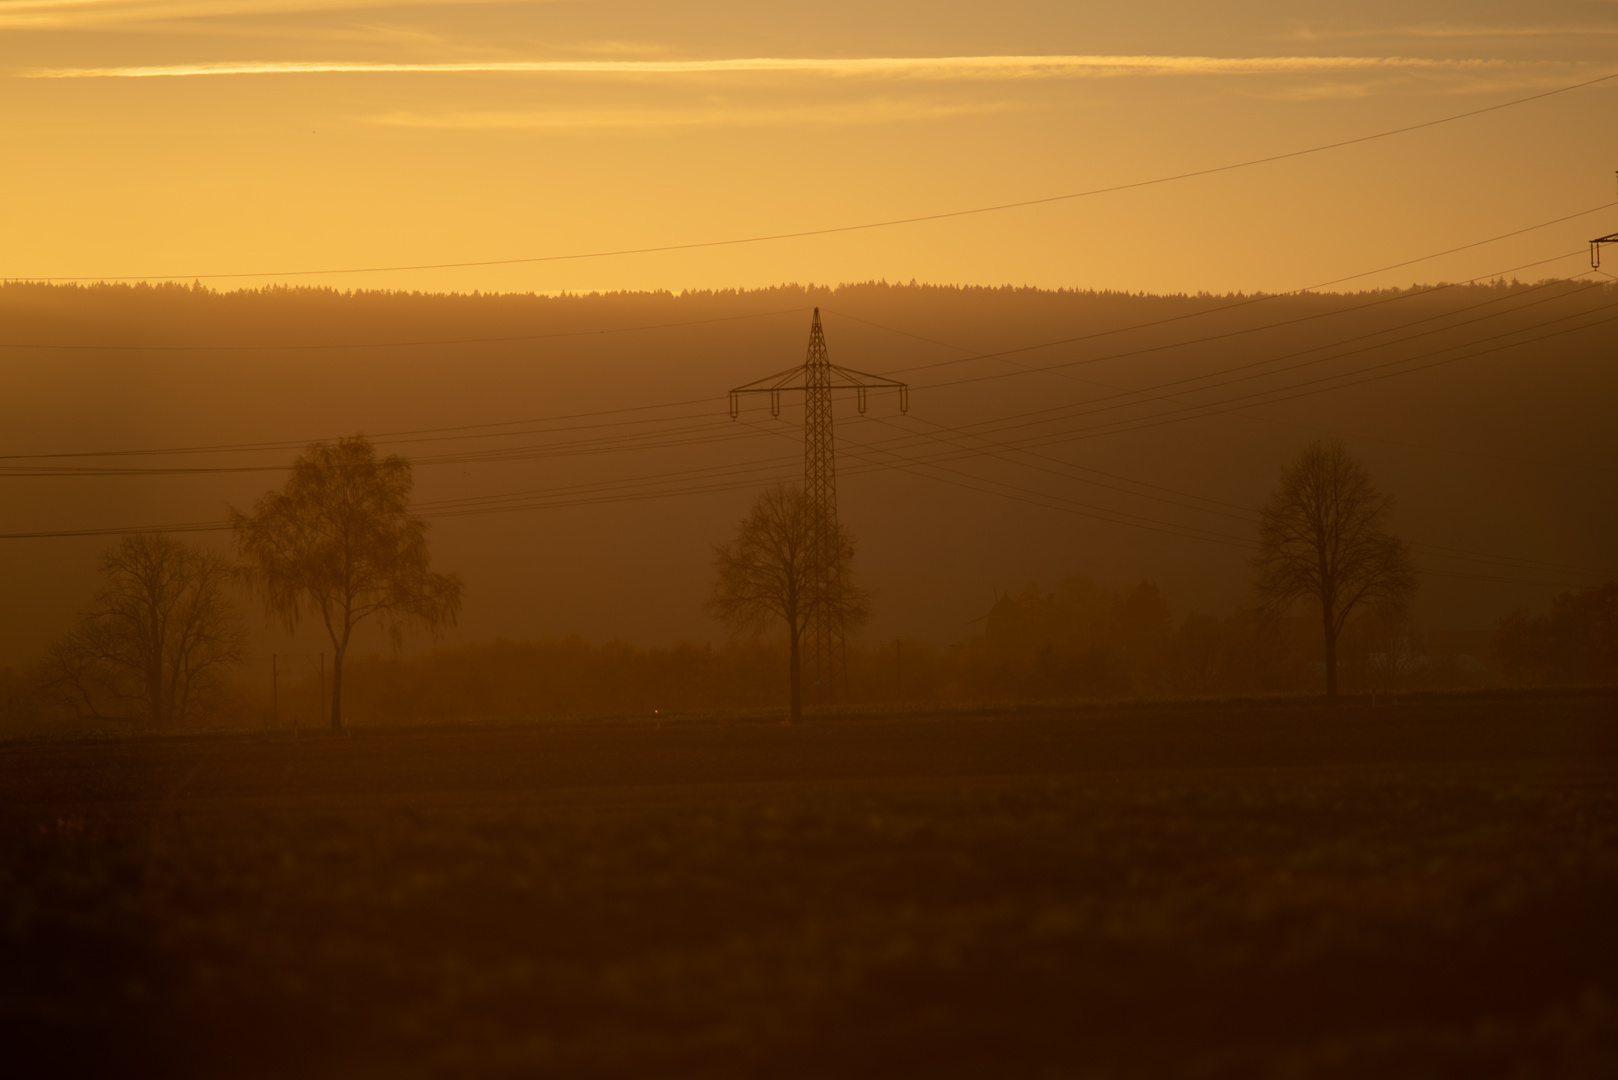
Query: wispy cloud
69	14
935	67
880	111
1443	30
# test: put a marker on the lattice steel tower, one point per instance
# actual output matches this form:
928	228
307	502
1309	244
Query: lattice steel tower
825	653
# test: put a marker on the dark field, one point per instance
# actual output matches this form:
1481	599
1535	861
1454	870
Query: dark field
1424	890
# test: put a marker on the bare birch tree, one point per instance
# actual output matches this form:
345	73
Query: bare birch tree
338	541
767	573
1322	537
152	646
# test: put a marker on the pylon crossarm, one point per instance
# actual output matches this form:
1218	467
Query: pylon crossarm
863	379
841	378
775	399
781	380
862	382
1595	248
771	385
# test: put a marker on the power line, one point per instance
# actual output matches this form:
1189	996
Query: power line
1122	392
729	478
1020	494
975	430
696	433
1139	521
1199	410
894	460
1242	513
1210	409
726	478
1437	550
387	437
1201	312
1065	412
798	310
712	431
442	433
401	344
1270	159
1049	502
174	527
618	486
629	490
1245	513
1003	354
630	440
1144	350
716	480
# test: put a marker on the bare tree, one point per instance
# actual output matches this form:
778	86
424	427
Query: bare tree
768	573
1388	640
338	541
1322	538
154	643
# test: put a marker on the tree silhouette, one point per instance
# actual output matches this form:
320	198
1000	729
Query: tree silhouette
1321	537
1576	641
154	642
768	572
338	541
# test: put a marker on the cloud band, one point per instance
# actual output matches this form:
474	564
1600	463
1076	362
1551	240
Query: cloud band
937	67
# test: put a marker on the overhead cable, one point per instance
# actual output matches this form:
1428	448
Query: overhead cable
916	219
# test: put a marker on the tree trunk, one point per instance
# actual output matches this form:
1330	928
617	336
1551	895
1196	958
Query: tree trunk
154	690
1331	660
795	672
337	686
154	668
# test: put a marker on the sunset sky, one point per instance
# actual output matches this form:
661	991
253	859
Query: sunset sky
147	138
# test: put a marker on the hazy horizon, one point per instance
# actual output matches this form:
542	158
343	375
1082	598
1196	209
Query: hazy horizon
943	528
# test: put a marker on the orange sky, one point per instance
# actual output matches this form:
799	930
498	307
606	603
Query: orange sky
185	137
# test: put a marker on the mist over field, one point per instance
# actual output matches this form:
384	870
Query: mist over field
577	461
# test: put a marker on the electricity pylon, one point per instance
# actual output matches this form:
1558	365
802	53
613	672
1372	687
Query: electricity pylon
826	651
1595	245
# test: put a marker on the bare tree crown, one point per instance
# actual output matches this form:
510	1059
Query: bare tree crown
764	573
156	640
769	573
1323	536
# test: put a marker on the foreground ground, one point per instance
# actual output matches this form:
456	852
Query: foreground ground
1424	890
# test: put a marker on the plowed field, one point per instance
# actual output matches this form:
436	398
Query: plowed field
1429	889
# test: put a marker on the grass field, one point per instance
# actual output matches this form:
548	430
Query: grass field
1200	891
